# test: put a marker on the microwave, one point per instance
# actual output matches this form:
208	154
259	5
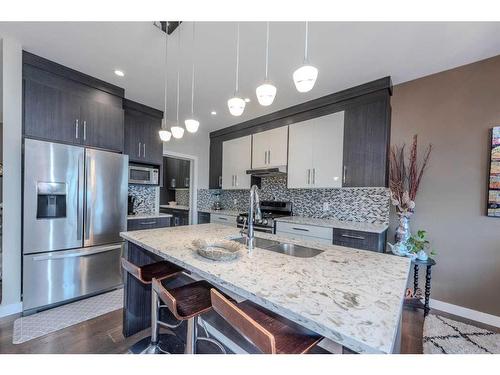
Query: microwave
143	175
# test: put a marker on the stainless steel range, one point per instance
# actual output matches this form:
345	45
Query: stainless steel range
74	207
270	211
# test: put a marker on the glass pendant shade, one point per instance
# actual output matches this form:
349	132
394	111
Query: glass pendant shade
236	106
305	78
177	131
266	93
192	125
165	135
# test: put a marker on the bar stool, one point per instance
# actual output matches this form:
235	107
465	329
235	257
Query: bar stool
188	302
155	343
270	333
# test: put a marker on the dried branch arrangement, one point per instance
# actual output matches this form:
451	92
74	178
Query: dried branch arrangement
405	177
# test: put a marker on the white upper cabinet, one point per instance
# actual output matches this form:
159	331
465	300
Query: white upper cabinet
316	152
270	148
236	160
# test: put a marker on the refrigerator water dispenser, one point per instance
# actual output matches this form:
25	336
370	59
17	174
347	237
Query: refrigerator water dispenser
51	200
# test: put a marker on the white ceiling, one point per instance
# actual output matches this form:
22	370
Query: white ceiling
346	54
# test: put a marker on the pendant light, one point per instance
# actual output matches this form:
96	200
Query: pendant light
191	123
267	91
165	135
178	131
236	104
305	76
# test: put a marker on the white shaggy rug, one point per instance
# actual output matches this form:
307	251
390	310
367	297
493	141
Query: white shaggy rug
39	324
446	336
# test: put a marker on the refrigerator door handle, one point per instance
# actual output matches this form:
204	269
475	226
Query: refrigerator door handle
88	167
79	199
78	253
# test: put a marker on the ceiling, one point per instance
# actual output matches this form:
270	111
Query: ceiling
346	54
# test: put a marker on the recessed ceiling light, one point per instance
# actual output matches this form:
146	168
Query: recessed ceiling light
247	100
213	113
119	73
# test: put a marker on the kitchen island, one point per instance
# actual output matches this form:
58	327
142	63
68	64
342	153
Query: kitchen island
352	297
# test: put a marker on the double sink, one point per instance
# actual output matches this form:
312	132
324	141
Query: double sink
280	247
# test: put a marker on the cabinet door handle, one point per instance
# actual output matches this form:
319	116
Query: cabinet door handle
308	177
314	176
76	128
352	236
301	229
84	130
265	157
220	181
143	150
147	222
139	154
269	157
236	180
344	174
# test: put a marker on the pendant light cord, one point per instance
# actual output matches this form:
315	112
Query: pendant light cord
192	74
307	37
178	69
166	70
237	54
267	48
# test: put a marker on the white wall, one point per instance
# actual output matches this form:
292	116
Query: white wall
12	124
194	145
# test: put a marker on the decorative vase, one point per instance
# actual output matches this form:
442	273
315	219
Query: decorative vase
422	255
403	231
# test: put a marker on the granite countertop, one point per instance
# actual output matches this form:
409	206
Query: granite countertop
178	207
332	223
222	212
148	216
352	297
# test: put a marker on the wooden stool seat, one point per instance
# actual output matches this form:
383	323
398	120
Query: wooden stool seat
145	274
188	300
269	332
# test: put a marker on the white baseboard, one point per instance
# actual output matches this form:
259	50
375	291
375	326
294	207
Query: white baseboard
13	308
464	312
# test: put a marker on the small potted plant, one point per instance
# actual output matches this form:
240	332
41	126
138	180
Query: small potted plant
418	245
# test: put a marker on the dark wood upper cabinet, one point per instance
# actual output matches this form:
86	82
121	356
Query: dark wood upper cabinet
63	105
50	113
102	125
176	173
366	144
142	141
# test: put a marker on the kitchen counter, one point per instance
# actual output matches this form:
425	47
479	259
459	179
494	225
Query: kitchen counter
148	216
332	223
221	212
178	207
352	297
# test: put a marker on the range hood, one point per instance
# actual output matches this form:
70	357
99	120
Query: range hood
268	172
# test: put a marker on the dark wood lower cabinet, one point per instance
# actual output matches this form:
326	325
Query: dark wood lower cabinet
360	240
148	223
203	217
180	217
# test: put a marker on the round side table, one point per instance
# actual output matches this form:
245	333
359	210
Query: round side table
415	299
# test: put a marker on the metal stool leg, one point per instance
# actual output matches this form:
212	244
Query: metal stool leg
158	344
192	328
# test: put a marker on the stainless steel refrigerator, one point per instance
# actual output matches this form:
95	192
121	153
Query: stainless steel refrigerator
74	207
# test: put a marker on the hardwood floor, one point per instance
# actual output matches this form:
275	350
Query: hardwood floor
104	335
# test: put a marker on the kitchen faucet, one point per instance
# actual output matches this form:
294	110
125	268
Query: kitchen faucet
254	210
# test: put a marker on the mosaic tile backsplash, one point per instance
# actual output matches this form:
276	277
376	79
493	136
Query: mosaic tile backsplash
368	205
146	198
182	197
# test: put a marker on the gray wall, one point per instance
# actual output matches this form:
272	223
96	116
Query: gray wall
454	110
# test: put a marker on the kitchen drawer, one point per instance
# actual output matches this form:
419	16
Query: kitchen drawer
359	240
223	219
203	217
301	237
148	223
305	230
